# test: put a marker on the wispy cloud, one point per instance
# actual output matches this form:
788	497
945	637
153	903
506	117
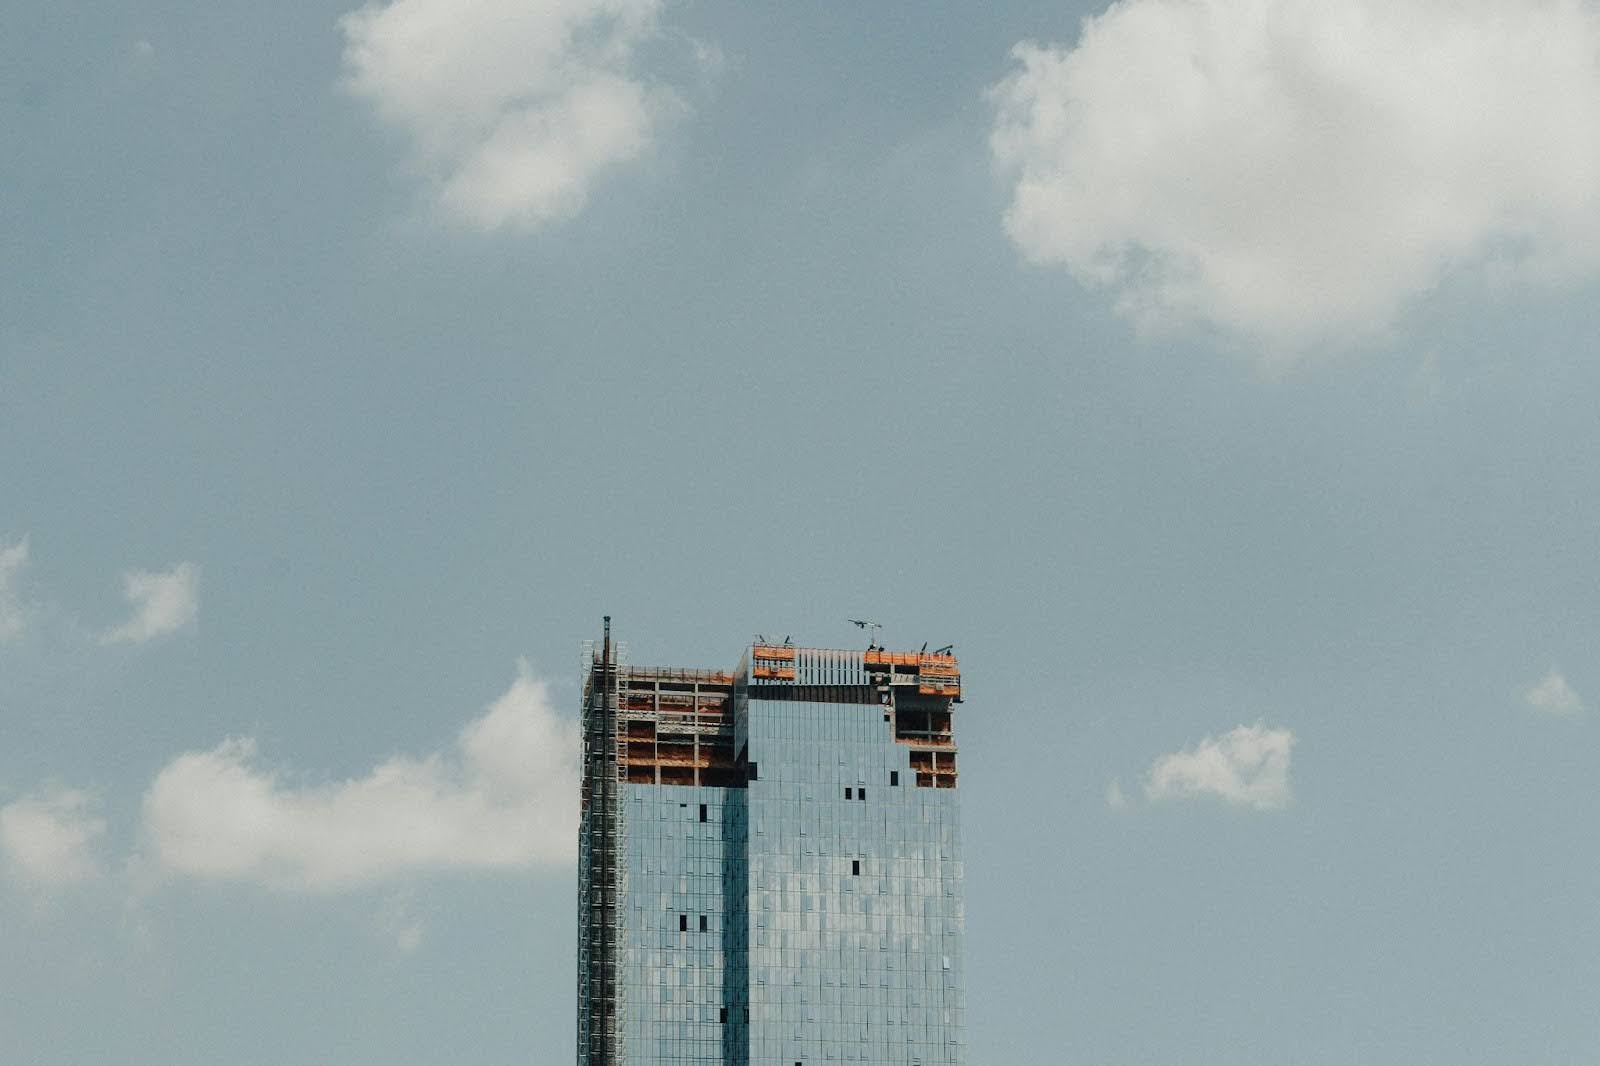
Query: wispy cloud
398	922
514	107
13	559
1553	695
1247	767
1293	172
1115	798
504	797
163	602
50	837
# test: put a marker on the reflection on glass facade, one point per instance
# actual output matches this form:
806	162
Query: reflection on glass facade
770	862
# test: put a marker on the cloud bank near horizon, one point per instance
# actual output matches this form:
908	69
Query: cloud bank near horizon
503	797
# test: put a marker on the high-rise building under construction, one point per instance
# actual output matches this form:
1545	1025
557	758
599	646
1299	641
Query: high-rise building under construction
770	861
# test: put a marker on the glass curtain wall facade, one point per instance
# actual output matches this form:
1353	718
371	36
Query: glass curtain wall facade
776	877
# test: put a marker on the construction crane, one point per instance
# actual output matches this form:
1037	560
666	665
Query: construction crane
871	629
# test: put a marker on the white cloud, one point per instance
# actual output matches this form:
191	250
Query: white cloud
49	838
1248	767
1293	172
505	797
163	602
513	107
1553	695
12	560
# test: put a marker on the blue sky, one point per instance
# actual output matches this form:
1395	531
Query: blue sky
1218	375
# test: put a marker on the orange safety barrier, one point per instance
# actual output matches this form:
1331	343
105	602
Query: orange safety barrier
879	657
924	659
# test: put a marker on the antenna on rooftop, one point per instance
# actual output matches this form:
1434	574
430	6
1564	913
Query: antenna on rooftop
871	629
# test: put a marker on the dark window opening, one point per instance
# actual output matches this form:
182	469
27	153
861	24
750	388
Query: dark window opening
855	867
722	1015
703	926
849	793
861	793
894	777
683	923
702	812
753	775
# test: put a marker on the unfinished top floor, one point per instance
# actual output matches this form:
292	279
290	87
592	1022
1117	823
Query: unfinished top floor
672	725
